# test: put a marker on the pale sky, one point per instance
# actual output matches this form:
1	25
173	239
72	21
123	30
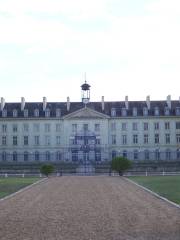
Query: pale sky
126	47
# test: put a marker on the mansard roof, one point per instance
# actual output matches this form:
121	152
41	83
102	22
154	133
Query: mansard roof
96	106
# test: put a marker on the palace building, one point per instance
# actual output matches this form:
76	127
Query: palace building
88	131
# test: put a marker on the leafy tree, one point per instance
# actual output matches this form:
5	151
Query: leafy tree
47	169
120	164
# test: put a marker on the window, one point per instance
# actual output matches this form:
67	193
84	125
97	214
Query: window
47	113
74	127
15	142
178	153
58	127
145	111
4	156
4	142
146	125
36	140
36	112
15	128
124	112
58	140
156	111
177	125
156	138
26	156
113	154
113	112
47	140
97	127
113	126
25	127
25	112
178	138
113	139
85	127
4	128
167	138
58	156
4	113
15	113
167	125
178	111
48	157
157	154
98	141
135	139
36	156
166	111
124	126
14	156
135	126
47	127
36	127
124	153
146	154
26	140
97	155
124	139
136	155
146	138
134	112
58	112
168	154
156	126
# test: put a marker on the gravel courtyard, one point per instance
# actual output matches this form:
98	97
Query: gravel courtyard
87	208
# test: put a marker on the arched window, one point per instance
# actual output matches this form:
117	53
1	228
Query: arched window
125	153
58	156
4	156
146	154
14	156
26	156
114	154
36	156
168	154
48	157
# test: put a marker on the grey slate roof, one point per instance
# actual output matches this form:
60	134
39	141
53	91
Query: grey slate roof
97	106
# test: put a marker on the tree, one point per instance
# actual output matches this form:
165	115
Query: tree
47	169
120	164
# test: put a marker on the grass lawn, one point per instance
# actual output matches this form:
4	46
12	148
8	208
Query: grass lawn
10	185
166	186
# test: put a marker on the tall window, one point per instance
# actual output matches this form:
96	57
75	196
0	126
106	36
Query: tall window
167	125
124	126
15	113
178	153
15	128
156	126
157	154
113	112
97	127
25	112
146	154
146	138
167	138
166	111
74	127
135	138
47	127
146	125
36	140
4	156
135	126
113	139
47	112
178	138
58	156
47	140
15	142
177	125
125	153
36	156
48	157
26	140
4	142
14	156
36	127
124	112
134	112
168	154
114	154
58	127
36	112
145	111
4	113
136	155
4	128
124	139
156	111
58	112
26	156
113	126
156	138
25	127
85	127
58	140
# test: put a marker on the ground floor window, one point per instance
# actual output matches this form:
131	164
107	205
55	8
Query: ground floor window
114	154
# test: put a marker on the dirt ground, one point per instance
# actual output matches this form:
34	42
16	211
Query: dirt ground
87	208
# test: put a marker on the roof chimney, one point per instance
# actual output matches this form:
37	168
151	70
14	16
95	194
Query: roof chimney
169	101
68	104
126	102
2	103
44	103
102	103
148	102
22	103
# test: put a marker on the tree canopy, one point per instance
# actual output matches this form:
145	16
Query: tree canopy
47	169
120	164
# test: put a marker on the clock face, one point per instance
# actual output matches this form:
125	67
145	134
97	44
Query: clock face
85	100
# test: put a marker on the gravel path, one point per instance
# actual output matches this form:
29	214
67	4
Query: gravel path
87	208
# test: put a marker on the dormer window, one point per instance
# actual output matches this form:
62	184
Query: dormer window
58	112
178	111
36	112
15	113
4	113
145	111
134	112
123	112
166	111
47	113
156	111
25	112
113	112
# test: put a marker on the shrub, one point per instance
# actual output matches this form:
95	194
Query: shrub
120	164
47	169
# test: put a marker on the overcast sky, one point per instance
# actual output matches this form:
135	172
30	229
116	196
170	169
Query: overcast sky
126	47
